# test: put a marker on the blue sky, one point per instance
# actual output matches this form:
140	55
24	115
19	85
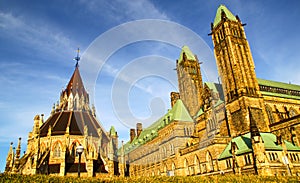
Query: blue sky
38	40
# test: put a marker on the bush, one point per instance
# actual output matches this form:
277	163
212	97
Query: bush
8	178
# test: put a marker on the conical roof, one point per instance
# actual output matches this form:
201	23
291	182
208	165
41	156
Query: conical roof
218	18
75	120
75	84
188	53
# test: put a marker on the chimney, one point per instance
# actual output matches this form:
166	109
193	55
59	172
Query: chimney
139	129
132	134
174	97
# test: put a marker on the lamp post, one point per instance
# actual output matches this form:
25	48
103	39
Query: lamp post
79	150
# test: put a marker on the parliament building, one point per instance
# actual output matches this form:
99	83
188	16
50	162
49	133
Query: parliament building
242	125
245	125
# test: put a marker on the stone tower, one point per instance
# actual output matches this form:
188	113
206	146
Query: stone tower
189	80
236	68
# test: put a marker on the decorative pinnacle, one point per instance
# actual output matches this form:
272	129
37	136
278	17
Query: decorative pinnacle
77	58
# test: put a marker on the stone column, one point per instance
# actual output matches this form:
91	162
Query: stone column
62	171
89	167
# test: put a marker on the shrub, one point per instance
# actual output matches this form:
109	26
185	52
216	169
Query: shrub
17	178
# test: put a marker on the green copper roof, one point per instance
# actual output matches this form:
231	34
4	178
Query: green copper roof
180	113
279	95
211	86
216	88
189	54
199	112
177	113
270	140
244	145
229	15
112	131
278	84
291	147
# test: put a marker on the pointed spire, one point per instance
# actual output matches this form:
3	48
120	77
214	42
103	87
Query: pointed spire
186	54
36	125
112	131
18	151
75	88
10	150
75	84
9	158
74	96
17	157
41	120
223	12
93	110
53	109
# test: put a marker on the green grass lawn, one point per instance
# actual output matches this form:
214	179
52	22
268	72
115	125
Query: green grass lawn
225	178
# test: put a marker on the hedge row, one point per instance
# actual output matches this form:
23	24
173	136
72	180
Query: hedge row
8	178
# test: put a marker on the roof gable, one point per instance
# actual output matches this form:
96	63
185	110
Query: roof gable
180	112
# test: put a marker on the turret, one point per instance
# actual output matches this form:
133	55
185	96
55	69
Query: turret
189	81
113	144
174	97
36	125
9	158
17	157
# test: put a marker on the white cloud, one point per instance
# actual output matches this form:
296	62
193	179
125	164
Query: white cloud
39	36
120	11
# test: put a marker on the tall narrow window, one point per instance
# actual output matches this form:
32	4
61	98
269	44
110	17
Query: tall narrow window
209	161
270	114
57	150
197	165
186	167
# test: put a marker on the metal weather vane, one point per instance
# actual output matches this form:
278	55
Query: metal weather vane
77	58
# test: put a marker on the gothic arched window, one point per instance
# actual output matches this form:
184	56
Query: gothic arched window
57	150
270	114
292	112
209	161
197	165
186	167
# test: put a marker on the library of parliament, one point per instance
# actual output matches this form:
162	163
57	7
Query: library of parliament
245	125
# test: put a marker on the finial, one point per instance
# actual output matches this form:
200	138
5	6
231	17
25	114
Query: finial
77	58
